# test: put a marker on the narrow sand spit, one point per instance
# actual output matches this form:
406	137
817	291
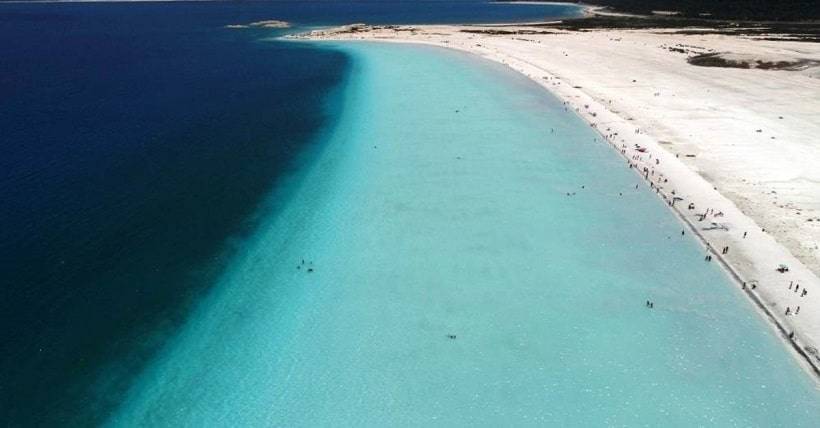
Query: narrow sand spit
738	145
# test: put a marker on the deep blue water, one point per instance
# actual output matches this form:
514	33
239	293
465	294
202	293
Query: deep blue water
138	142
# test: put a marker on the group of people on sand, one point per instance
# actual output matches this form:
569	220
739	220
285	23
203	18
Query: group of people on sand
649	174
797	288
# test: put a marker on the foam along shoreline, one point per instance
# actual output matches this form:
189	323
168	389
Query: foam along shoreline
701	137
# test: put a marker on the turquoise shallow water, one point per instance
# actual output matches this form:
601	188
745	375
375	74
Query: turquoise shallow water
141	142
438	207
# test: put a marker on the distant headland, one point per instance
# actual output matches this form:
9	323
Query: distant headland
746	10
271	23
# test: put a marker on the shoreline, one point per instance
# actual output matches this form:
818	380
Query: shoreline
329	295
751	260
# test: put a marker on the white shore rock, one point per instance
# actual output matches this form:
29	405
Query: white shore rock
262	24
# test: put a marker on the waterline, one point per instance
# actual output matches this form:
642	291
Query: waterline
471	255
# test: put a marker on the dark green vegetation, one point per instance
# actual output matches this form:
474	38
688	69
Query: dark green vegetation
771	30
788	19
716	60
747	10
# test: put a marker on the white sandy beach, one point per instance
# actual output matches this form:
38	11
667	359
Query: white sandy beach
740	144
